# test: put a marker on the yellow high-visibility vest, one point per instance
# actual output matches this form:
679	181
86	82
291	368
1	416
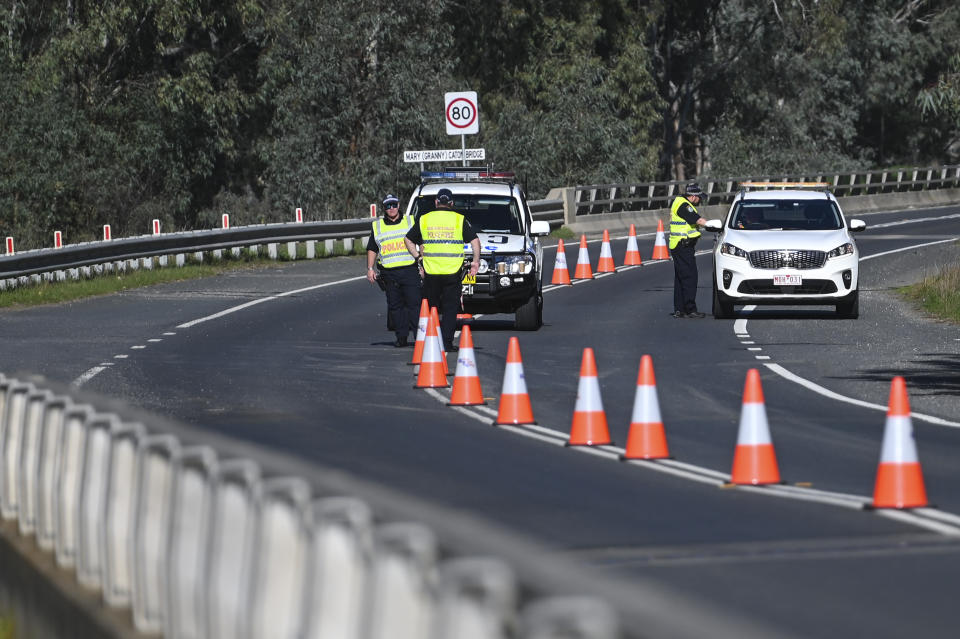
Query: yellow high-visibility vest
389	239
442	233
679	229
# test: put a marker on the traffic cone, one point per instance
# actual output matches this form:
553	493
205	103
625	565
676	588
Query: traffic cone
435	318
660	245
421	331
589	421
583	271
431	373
464	316
899	478
605	263
560	273
754	461
632	258
646	439
514	401
466	385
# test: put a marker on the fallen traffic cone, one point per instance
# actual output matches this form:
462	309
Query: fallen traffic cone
431	373
899	478
583	271
632	258
560	273
435	318
589	421
754	461
464	316
514	401
660	245
605	263
421	331
466	385
646	439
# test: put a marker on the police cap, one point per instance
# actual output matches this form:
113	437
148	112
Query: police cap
445	196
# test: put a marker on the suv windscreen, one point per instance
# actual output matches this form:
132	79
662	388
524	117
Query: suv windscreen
488	213
788	215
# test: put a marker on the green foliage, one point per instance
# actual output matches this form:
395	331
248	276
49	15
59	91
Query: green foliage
125	111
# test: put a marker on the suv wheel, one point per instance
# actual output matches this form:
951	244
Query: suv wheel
850	307
722	308
529	317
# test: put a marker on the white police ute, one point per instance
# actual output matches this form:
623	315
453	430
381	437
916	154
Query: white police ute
787	246
510	277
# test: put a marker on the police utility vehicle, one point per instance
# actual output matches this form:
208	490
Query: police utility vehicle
509	279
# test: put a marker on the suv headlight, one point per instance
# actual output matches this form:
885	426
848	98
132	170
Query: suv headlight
843	249
730	249
515	265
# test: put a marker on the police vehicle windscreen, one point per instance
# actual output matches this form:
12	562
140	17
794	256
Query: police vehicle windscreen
487	213
785	215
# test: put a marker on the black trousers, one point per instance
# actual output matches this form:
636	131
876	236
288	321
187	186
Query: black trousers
684	277
402	286
443	291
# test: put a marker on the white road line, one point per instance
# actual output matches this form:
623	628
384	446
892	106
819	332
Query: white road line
138	347
908	517
816	388
120	356
154	339
87	376
906	248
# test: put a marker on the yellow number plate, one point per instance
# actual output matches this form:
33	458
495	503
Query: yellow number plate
469	279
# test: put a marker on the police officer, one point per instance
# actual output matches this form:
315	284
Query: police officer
437	240
684	233
398	274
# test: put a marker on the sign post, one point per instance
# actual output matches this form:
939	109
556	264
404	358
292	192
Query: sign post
462	116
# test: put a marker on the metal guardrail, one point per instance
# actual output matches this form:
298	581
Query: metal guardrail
615	198
576	203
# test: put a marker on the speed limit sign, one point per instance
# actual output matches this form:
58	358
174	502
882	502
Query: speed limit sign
462	114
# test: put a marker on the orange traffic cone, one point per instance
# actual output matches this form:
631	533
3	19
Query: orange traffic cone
435	318
660	245
589	421
632	258
464	316
514	401
421	331
560	273
646	439
466	385
583	271
431	373
605	263
899	478
754	461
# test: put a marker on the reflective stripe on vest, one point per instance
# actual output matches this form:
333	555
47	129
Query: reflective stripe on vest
442	233
389	238
679	229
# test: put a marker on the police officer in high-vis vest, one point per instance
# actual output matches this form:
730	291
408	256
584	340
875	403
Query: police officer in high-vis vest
437	241
684	232
397	270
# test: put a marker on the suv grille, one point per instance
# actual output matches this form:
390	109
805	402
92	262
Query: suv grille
787	258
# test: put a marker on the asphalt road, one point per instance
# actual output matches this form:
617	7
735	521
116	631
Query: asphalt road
312	373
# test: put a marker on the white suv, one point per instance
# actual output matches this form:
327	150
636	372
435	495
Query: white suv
789	246
510	279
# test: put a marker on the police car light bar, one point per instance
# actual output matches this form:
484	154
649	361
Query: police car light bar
466	175
801	185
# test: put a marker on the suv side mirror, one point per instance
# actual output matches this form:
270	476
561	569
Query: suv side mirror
857	225
714	226
540	227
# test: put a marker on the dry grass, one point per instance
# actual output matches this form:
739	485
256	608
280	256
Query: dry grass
938	294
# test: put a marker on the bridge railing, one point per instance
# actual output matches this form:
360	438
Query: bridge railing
188	534
595	199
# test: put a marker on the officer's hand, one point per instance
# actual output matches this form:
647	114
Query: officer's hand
474	267
371	276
